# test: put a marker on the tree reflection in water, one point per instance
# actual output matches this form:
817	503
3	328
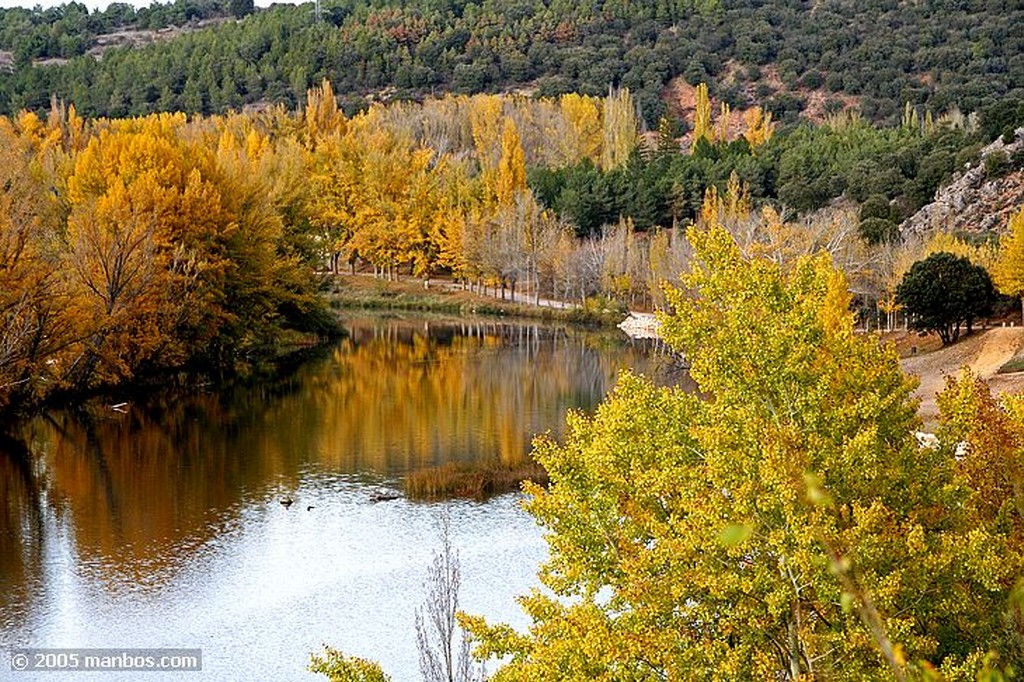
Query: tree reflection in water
130	501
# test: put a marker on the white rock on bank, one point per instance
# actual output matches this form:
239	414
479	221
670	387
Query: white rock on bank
640	326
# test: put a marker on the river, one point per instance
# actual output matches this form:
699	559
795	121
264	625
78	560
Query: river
161	524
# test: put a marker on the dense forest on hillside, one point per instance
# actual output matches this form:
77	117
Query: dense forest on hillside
788	55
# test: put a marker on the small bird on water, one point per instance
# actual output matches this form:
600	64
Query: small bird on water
287	502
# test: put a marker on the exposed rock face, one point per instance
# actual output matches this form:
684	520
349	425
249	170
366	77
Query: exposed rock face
972	202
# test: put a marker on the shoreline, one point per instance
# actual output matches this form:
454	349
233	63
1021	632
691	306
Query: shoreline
364	292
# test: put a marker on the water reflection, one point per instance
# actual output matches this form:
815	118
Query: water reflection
162	527
21	529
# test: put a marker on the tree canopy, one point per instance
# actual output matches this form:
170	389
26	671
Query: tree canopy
1008	271
782	523
945	291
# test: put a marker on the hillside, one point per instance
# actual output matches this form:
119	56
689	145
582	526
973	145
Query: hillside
980	198
792	57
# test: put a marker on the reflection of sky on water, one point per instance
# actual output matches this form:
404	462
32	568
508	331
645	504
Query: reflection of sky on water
262	596
163	527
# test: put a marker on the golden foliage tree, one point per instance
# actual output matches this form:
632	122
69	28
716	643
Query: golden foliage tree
321	117
702	116
759	127
620	128
510	178
583	118
782	524
1008	269
33	324
485	117
724	119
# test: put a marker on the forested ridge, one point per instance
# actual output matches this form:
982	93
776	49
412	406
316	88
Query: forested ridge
786	56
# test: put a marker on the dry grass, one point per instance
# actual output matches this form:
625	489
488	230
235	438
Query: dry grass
476	481
1014	365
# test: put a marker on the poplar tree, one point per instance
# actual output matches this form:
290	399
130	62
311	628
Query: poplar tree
511	174
583	118
620	129
702	116
1008	271
780	523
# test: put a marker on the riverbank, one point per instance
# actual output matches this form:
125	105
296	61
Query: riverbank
363	292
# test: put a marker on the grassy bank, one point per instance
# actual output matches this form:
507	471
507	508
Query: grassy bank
476	481
361	292
1014	365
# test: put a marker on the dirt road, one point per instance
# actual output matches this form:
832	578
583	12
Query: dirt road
984	353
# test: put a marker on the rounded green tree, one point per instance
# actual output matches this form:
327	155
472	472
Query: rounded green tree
944	292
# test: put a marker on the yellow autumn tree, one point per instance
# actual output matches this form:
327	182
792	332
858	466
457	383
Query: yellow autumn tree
269	284
510	179
378	197
33	322
582	116
785	528
177	251
732	208
321	116
758	126
724	119
1008	269
774	531
334	175
486	122
944	242
621	130
702	129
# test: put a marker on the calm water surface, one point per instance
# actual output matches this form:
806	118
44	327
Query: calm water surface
162	527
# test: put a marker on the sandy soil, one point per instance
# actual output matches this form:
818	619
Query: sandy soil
984	353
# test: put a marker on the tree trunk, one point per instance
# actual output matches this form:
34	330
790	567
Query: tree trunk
794	652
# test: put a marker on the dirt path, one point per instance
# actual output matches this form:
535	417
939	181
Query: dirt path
984	353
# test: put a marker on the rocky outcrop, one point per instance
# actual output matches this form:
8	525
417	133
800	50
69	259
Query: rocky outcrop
973	202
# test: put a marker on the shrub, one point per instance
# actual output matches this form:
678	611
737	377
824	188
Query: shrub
997	164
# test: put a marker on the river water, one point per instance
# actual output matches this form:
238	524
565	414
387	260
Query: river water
163	525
